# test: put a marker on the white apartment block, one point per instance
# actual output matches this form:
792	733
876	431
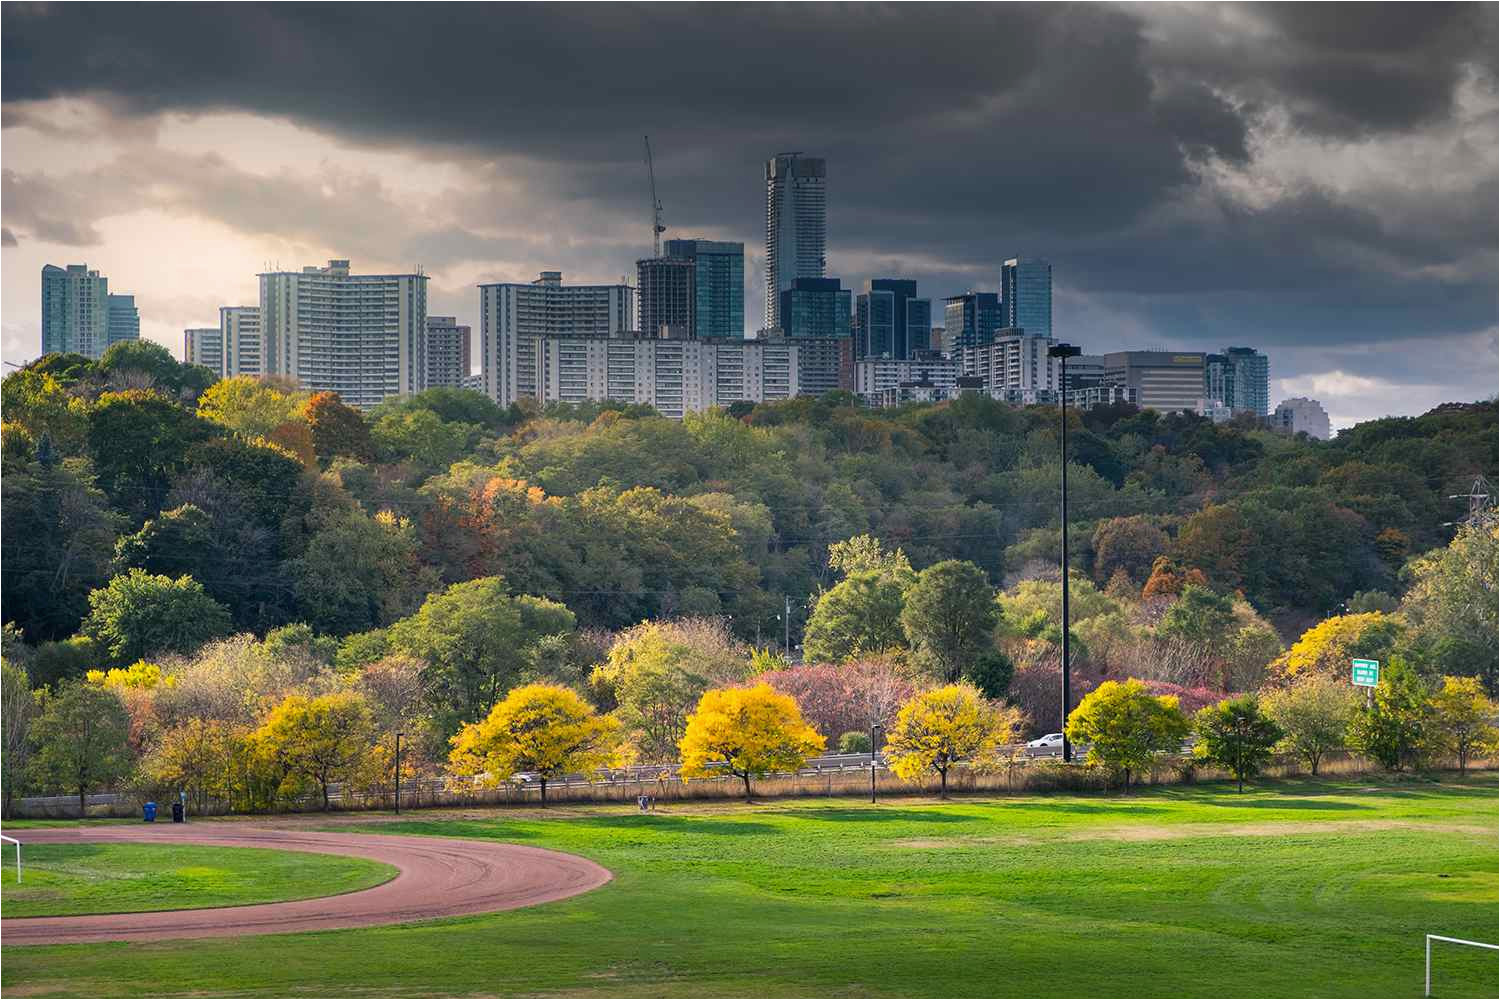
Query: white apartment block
1301	415
515	318
75	310
204	346
875	375
244	348
1014	366
362	336
447	352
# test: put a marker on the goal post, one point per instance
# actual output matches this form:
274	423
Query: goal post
13	840
1427	980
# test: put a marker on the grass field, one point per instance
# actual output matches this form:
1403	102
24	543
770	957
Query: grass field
62	879
1291	889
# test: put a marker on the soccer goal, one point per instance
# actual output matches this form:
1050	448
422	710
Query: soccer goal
1427	987
13	840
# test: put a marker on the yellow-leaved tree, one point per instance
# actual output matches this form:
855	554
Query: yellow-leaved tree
940	727
1328	646
748	732
1463	720
323	739
545	729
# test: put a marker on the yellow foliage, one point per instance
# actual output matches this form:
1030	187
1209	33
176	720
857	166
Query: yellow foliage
545	729
322	739
748	732
1328	646
938	728
139	676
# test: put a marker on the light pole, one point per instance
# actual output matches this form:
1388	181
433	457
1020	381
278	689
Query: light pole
398	773
873	726
786	640
1063	352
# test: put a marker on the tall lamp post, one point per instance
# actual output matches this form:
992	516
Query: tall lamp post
398	773
1062	352
873	726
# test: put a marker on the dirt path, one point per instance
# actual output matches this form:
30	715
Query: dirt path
438	877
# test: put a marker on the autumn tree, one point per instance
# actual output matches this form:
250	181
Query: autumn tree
251	406
1236	735
1329	646
323	739
543	729
197	756
1314	714
1126	728
1128	545
337	428
1396	729
1463	719
949	618
941	727
748	732
139	614
81	741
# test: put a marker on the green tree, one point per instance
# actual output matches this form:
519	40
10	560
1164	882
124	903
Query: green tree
1395	730
543	729
939	728
991	673
323	739
357	572
862	554
1200	616
1126	728
1314	713
478	641
138	614
1463	719
1235	734
19	708
139	441
81	741
1452	606
252	407
860	615
949	618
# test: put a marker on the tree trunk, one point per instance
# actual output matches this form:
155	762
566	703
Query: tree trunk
1313	759
83	805
1127	781
746	776
324	786
942	783
544	788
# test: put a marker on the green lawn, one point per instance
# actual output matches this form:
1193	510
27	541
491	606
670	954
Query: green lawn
61	879
1291	889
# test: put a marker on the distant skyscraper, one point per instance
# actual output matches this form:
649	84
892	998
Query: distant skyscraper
204	346
244	349
124	319
970	319
666	291
816	307
718	285
796	226
1026	295
515	318
1301	415
75	310
890	321
359	335
447	353
1240	378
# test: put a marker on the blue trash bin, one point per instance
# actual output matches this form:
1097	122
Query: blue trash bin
149	809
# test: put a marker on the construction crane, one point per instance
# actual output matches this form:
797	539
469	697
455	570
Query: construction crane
656	227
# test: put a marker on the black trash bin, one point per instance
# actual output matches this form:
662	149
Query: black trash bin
176	812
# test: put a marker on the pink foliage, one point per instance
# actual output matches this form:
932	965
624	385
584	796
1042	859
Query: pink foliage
846	698
1189	699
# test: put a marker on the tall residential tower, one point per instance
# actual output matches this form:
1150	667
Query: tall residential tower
796	226
1026	295
75	310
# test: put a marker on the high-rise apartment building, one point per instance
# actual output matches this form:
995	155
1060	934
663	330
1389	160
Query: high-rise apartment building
1026	295
718	285
124	319
447	352
796	226
515	317
969	319
204	346
890	321
667	293
75	310
816	307
244	348
1163	381
1301	415
1240	378
1012	361
873	376
362	336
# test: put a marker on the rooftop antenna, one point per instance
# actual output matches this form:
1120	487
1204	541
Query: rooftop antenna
656	227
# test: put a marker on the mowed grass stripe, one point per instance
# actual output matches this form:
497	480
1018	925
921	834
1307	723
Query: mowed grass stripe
68	879
1163	892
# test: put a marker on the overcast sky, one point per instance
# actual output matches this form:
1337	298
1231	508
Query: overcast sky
1316	181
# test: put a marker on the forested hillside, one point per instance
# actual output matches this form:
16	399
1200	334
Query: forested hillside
445	550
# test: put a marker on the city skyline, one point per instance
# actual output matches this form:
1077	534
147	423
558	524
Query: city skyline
1231	207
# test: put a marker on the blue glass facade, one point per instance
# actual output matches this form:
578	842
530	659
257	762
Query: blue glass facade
816	307
1026	295
971	319
719	285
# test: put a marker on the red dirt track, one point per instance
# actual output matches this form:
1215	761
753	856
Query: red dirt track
439	877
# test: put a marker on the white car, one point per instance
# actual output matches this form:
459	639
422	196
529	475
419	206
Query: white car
1052	741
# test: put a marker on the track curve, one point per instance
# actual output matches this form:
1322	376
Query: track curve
438	877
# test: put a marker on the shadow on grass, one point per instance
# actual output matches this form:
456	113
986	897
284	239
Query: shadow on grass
680	824
881	814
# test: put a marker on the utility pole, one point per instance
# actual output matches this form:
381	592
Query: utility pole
873	726
398	773
786	621
1063	352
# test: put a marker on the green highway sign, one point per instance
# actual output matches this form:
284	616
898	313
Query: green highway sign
1366	673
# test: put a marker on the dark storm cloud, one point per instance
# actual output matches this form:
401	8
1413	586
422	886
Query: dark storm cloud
956	136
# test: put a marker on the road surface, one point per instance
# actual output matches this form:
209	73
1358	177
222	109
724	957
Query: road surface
439	877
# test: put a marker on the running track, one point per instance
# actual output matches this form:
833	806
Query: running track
439	877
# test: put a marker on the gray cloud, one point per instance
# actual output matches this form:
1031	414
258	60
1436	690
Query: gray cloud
1180	164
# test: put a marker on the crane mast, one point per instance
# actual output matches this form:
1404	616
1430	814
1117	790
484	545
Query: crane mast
656	227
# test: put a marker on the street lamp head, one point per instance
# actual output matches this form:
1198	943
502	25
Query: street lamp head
1063	351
